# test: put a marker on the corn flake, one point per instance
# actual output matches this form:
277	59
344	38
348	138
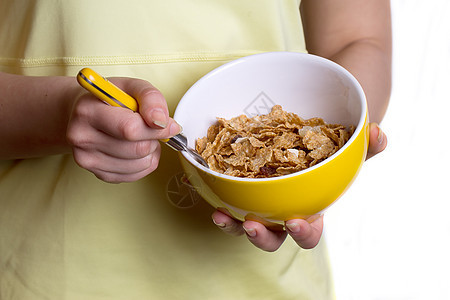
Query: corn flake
276	144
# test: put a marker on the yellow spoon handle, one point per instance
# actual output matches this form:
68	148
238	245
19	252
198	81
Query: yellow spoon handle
106	91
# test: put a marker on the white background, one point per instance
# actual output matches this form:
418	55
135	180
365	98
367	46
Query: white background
389	235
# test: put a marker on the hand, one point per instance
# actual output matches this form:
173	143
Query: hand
306	233
116	144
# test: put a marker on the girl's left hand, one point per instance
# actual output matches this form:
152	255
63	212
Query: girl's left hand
306	233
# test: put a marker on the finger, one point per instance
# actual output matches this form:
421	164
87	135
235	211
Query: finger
262	237
132	127
122	149
306	235
153	108
152	104
99	163
119	178
127	150
227	224
377	140
119	122
94	140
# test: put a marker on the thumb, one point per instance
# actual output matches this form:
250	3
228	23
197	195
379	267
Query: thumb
377	140
152	104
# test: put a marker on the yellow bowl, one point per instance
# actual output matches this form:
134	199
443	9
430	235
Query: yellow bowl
307	85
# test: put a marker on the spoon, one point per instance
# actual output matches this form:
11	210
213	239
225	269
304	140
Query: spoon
112	95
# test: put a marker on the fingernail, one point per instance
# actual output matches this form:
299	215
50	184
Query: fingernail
221	225
175	129
293	227
159	117
250	231
380	135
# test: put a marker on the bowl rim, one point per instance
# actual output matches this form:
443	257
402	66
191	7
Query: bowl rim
358	129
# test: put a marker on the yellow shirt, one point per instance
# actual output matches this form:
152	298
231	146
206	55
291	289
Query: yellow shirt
64	234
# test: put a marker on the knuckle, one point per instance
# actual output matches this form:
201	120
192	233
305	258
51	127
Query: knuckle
84	160
128	128
145	164
270	249
76	138
153	163
150	92
71	136
150	98
82	109
109	178
77	133
144	148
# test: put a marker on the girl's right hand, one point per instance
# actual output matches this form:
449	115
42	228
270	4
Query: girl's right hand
116	144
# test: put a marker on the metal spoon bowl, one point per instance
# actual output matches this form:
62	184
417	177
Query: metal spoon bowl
179	143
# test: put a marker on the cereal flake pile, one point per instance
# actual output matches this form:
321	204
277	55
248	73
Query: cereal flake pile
271	145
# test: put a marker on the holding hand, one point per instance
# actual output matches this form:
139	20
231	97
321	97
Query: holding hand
116	144
306	233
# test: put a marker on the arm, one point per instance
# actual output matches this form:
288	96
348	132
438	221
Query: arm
357	35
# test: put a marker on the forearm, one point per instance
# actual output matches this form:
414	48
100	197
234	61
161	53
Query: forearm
34	113
357	35
371	65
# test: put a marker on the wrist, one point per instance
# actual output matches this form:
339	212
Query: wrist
35	113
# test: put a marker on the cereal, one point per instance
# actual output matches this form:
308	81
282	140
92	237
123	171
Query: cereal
271	145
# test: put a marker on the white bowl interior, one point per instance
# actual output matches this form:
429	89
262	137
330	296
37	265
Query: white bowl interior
307	85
